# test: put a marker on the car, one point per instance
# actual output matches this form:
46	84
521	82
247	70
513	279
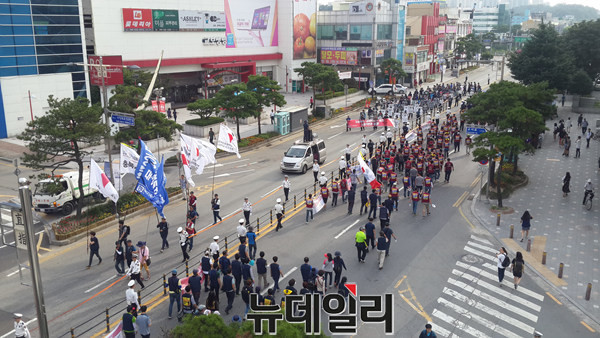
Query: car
299	157
388	89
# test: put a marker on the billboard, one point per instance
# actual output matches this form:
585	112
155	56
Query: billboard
113	70
339	56
136	19
165	20
450	29
251	24
305	29
190	20
401	32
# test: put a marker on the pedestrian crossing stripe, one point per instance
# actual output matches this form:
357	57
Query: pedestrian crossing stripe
481	254
482	240
458	324
483	247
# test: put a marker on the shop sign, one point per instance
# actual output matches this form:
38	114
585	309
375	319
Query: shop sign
214	41
165	20
135	19
206	21
339	56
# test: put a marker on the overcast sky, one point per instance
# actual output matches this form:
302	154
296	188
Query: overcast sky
591	3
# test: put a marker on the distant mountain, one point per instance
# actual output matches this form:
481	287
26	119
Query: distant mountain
580	12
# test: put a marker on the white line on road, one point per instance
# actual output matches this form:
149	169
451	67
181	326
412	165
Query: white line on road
458	324
482	247
335	126
222	164
98	285
347	228
338	134
14	272
233	173
282	278
483	240
277	187
13	331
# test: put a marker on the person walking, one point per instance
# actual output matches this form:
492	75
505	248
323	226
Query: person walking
384	216
578	147
517	268
192	200
174	285
211	136
119	258
328	268
276	273
242	230
131	297
20	327
214	248
309	207
448	168
525	224
236	271
229	289
566	184
214	279
415	197
389	233
183	243
286	186
503	262
372	204
144	257
163	229
247	209
251	236
342	167
94	246
175	115
128	319
134	270
361	244
315	170
278	213
588	137
567	146
335	191
143	322
184	186
584	126
382	243
261	270
246	291
124	231
195	283
370	232
364	198
426	201
428	332
129	249
190	228
338	265
216	208
351	197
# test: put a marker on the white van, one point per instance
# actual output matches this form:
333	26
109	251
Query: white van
301	155
50	197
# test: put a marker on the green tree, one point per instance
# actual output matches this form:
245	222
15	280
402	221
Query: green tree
543	58
581	83
318	76
211	326
392	68
126	98
202	107
56	138
237	102
148	125
266	92
583	42
468	45
501	29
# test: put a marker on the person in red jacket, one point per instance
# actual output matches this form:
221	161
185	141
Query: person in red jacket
426	201
448	168
415	201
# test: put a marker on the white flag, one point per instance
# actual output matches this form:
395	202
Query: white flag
129	160
368	173
100	182
199	152
227	140
186	165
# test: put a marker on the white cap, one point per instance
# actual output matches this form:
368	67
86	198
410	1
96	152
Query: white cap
323	173
589	180
216	238
342	157
131	283
382	133
278	200
242	221
180	229
17	315
364	145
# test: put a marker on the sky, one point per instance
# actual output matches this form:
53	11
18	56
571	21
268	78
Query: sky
591	3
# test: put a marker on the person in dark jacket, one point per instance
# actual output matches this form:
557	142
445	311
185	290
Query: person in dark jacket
338	265
246	291
364	198
305	270
94	246
373	204
351	197
236	271
427	333
247	270
229	289
195	283
119	258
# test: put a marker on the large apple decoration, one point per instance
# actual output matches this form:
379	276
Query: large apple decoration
301	27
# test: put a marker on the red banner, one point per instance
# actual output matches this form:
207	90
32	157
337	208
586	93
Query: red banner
162	107
371	123
154	105
135	19
113	70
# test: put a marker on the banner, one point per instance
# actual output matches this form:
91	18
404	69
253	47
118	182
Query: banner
305	29
339	56
146	174
129	160
112	70
318	203
371	123
202	21
227	140
165	19
117	332
136	19
251	24
162	198
199	153
100	182
185	163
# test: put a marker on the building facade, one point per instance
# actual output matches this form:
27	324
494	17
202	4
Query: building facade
38	38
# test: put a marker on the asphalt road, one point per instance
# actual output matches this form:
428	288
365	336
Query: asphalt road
437	271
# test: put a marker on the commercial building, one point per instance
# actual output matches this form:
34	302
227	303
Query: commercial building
37	40
207	44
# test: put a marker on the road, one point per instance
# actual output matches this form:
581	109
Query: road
439	270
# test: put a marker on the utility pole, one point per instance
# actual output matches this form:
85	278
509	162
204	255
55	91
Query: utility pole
502	72
25	196
107	121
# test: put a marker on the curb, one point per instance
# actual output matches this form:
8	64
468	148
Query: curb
550	284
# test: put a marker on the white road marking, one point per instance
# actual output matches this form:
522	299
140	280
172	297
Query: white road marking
338	134
14	272
466	313
497	290
481	254
282	278
99	284
483	247
233	173
222	164
458	324
13	331
482	240
486	309
493	300
347	228
335	126
521	289
277	187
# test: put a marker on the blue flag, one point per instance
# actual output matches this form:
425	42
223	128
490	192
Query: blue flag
162	198
146	174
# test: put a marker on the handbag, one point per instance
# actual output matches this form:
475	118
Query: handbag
148	261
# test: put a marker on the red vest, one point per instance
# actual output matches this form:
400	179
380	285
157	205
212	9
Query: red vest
427	182
415	196
335	187
405	180
324	192
468	141
384	176
394	192
425	198
393	176
309	203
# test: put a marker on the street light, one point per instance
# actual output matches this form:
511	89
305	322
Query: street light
105	102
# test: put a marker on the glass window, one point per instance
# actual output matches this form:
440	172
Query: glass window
25	50
6	30
19	9
7	51
64	49
27	70
4	9
19	1
60	68
24	40
325	32
56	20
7	41
54	30
384	32
361	32
78	76
26	60
57	40
55	2
341	32
11	71
22	30
7	19
39	9
52	59
8	61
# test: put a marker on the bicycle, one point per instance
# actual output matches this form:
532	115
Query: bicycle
587	202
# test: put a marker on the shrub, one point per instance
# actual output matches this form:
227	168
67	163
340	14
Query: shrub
248	141
200	122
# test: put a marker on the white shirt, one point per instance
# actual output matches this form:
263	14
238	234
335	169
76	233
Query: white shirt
348	150
247	206
588	186
316	167
278	208
382	139
322	180
578	143
182	237
286	184
134	268
363	152
241	230
342	164
131	297
389	134
214	247
21	329
500	260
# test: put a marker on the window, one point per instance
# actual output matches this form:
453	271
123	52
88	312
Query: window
407	30
8	61
361	32
54	2
55	59
341	32
64	49
56	20
384	32
27	70
57	40
325	32
12	71
39	9
54	30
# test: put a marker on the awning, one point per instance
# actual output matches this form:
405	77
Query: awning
219	65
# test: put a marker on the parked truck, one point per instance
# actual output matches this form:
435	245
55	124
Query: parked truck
61	193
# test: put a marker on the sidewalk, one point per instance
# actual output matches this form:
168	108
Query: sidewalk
560	226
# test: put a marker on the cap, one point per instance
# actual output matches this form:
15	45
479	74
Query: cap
180	229
342	157
242	221
17	315
134	256
364	145
140	243
174	272
245	198
278	200
382	133
236	319
338	254
323	173
286	176
361	228
589	180
131	283
216	238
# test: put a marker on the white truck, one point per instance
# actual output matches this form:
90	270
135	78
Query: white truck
50	197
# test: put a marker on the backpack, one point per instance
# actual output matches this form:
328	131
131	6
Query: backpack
506	261
518	267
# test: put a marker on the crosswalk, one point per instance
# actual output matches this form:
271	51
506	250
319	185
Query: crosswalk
473	304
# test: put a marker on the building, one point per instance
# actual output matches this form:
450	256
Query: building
484	20
458	25
358	36
37	41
